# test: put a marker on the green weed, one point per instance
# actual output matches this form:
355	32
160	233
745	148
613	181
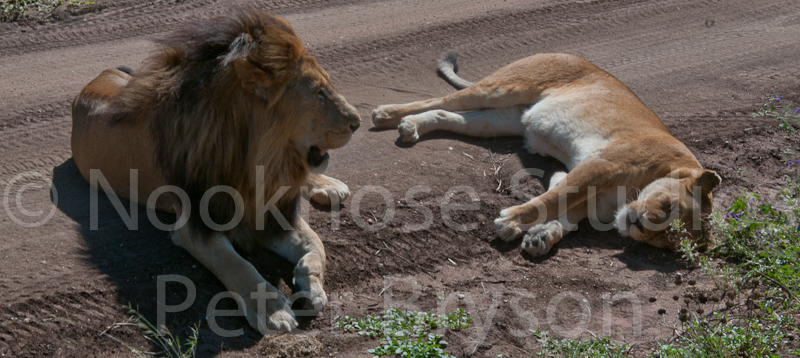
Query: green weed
568	348
785	111
407	333
171	344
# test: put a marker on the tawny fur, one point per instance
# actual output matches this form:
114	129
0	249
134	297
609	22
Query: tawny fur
612	145
235	101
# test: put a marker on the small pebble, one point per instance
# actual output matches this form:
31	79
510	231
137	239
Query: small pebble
662	311
692	282
653	299
675	297
700	311
678	279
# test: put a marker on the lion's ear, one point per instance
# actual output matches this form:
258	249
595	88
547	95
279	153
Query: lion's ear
708	181
252	79
240	48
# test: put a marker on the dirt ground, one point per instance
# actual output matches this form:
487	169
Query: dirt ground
702	66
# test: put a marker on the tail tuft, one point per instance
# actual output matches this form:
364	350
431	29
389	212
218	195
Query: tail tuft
125	69
447	69
449	60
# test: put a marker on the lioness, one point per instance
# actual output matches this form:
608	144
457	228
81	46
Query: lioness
234	115
624	165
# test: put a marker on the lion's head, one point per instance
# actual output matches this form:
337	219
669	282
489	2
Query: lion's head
234	94
683	195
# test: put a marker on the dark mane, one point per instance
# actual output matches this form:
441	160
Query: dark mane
206	121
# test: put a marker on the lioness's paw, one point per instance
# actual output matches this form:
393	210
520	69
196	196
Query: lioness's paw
506	226
331	190
384	117
408	131
540	238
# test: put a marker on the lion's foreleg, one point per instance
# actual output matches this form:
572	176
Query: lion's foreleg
240	277
304	247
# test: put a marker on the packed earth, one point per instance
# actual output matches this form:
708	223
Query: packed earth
417	233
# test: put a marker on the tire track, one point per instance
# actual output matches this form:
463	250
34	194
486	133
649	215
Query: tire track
122	22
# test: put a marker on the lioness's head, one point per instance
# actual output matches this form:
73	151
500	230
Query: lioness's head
683	195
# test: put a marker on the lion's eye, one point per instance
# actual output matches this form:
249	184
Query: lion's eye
321	95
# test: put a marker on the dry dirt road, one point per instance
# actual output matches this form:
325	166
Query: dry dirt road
702	66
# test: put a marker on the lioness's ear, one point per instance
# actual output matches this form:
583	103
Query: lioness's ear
708	181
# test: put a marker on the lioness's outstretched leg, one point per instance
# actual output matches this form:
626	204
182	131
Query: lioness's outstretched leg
240	277
303	247
486	123
325	190
568	196
493	92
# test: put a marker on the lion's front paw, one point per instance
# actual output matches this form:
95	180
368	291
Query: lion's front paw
541	238
385	117
507	225
327	190
311	288
408	131
274	317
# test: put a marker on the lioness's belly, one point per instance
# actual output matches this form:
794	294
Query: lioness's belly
561	128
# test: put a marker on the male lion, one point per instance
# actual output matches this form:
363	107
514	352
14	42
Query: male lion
624	165
236	116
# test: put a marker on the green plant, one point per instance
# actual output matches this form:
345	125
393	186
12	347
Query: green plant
785	111
749	338
15	10
407	333
568	348
171	344
758	256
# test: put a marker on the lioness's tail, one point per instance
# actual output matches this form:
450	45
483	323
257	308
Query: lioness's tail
448	66
125	69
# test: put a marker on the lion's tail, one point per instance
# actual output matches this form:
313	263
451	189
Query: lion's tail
447	68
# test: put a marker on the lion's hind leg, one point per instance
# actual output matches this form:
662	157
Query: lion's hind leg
484	123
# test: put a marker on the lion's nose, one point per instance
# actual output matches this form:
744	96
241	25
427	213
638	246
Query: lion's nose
354	126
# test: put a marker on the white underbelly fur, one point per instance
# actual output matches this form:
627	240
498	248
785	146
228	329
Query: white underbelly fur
557	127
